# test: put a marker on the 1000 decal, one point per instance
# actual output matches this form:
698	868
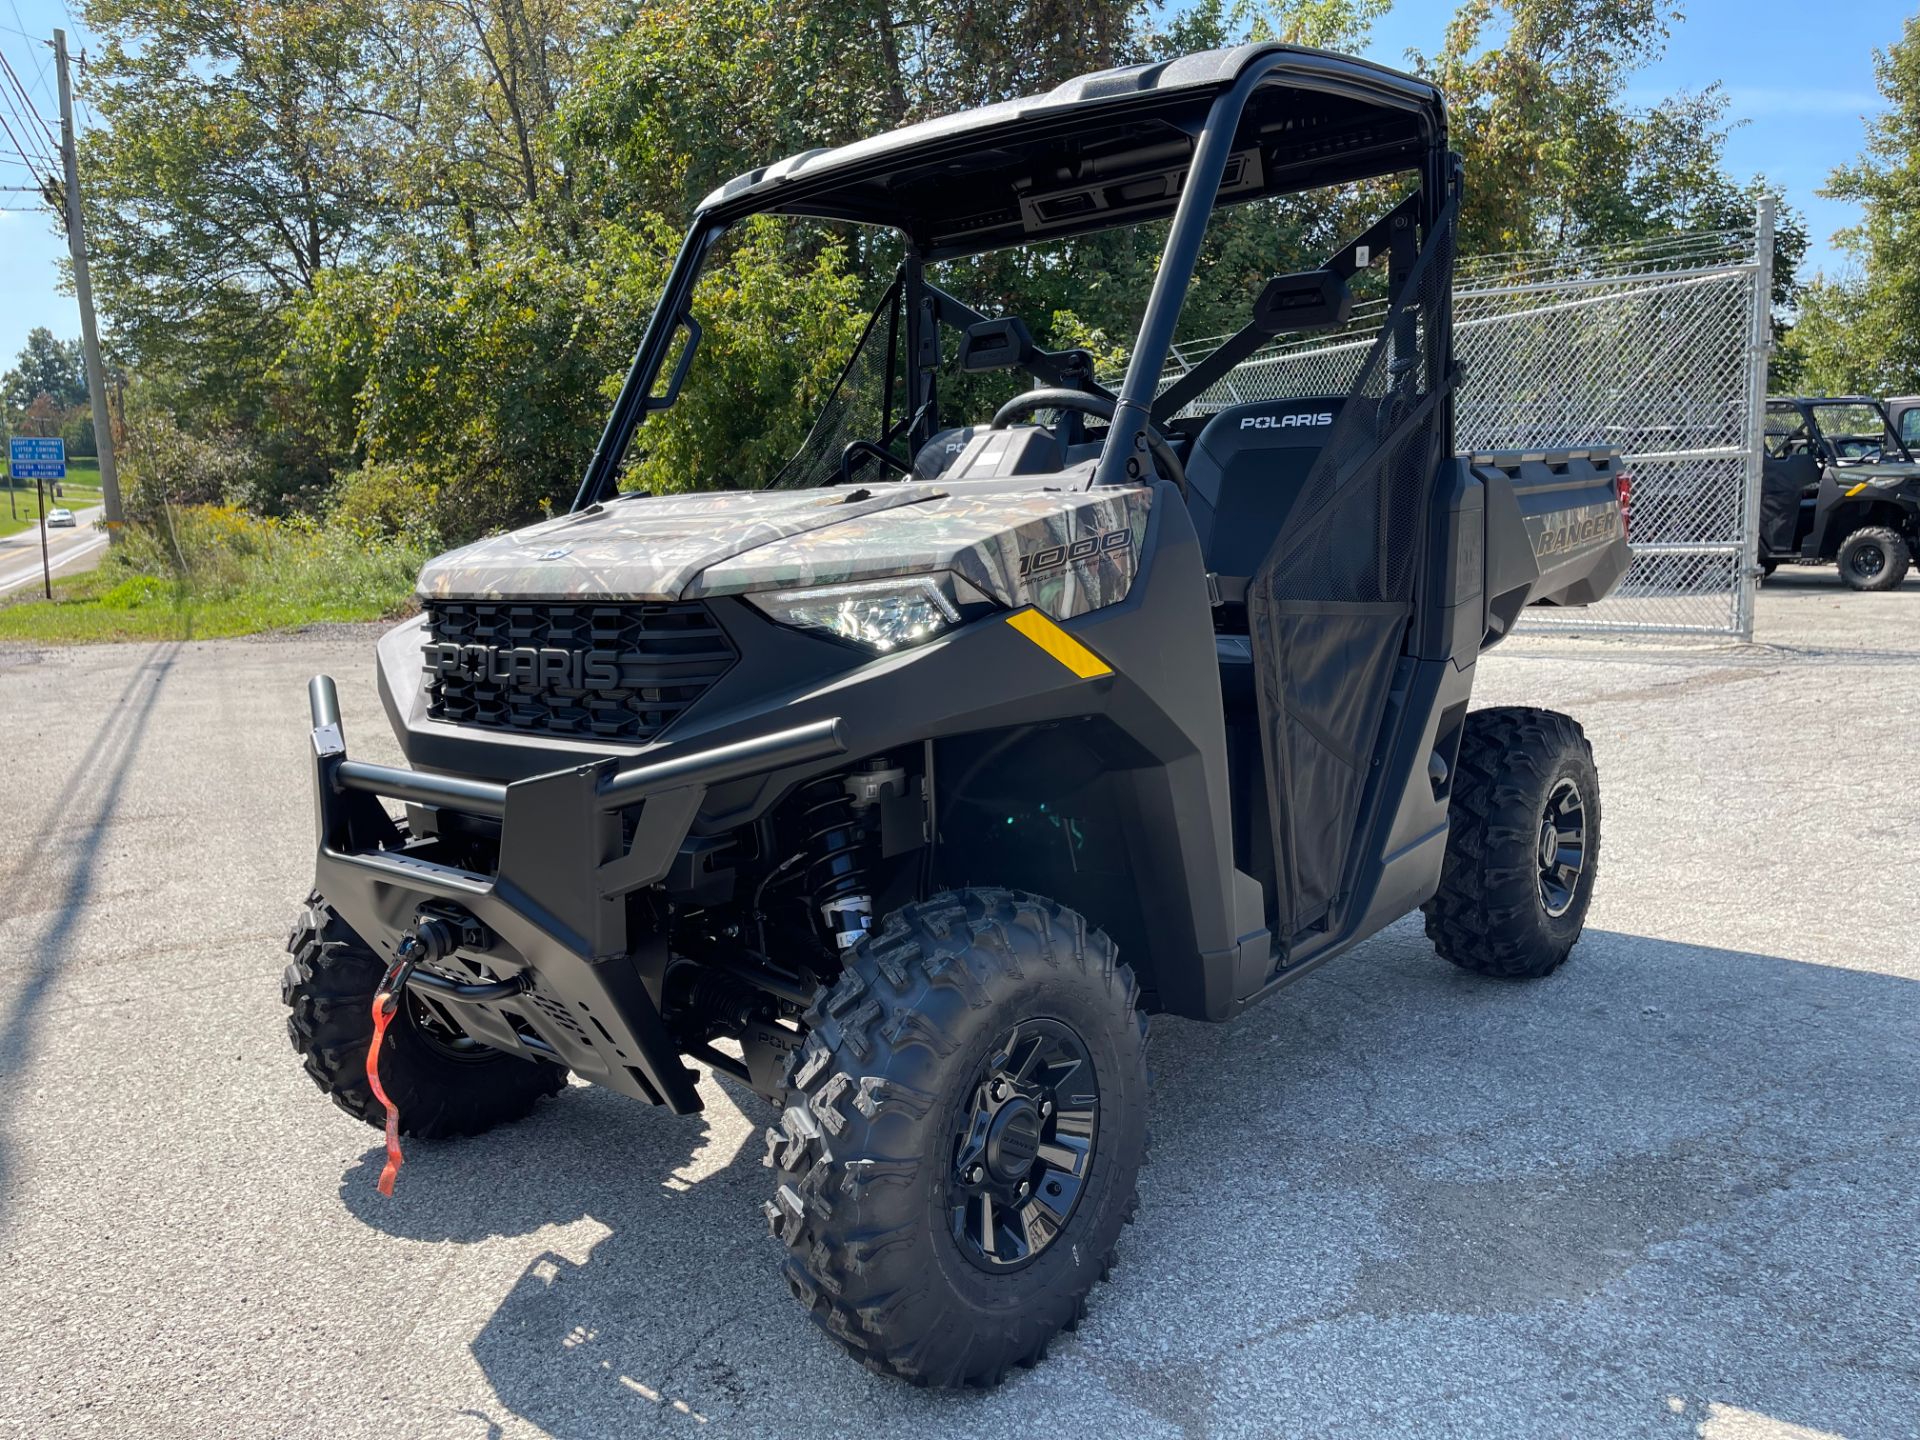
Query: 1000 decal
1058	557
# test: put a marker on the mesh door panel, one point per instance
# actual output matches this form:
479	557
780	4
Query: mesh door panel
1329	605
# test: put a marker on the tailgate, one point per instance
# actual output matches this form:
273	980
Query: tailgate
1569	504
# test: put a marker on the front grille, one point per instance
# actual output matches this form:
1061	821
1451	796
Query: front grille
606	672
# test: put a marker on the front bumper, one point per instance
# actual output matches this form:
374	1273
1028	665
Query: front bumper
547	967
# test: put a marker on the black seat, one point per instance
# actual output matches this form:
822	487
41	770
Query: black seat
1246	473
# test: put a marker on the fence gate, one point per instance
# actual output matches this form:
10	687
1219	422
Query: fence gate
1659	349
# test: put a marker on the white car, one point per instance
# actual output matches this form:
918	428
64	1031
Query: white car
58	516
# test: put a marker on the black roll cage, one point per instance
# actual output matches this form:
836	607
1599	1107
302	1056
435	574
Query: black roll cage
1239	74
1808	407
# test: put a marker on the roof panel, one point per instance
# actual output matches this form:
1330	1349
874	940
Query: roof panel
1010	149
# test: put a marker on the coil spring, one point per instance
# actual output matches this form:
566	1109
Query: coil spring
836	846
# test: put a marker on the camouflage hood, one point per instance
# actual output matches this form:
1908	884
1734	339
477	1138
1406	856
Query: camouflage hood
1066	551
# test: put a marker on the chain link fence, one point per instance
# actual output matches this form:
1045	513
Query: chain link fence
1659	349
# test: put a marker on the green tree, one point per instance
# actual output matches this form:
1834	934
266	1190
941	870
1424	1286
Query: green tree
77	431
45	366
1555	153
388	259
1861	333
229	171
1833	347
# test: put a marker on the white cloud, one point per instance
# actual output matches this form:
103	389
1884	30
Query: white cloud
1766	100
1751	101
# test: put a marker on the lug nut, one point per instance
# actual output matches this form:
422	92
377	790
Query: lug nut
976	1175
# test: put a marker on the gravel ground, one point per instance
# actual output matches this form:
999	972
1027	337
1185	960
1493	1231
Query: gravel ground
1669	1191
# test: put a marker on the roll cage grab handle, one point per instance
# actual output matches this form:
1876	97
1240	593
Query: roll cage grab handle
1124	460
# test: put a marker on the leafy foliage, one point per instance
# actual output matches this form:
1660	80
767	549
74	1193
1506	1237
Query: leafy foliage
203	571
1859	333
385	261
45	366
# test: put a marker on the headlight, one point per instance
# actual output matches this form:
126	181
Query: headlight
882	615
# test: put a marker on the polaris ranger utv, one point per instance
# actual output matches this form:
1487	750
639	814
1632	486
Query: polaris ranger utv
901	791
1838	486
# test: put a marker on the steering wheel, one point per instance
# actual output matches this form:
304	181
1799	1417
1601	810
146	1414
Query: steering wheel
858	452
1101	408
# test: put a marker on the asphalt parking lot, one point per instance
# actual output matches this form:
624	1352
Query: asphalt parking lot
1672	1190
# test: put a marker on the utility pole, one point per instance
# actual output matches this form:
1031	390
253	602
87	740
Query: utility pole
83	287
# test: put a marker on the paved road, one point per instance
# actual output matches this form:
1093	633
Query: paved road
1672	1191
68	551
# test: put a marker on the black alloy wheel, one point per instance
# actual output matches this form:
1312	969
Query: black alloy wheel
1874	557
963	1136
1523	845
1563	847
1025	1145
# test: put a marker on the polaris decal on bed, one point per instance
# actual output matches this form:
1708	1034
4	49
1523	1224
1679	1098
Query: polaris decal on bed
1564	531
1058	557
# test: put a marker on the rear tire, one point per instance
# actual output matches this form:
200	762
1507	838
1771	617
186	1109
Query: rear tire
917	1198
1511	902
328	991
1874	558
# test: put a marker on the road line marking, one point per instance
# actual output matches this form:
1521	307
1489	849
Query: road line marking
34	571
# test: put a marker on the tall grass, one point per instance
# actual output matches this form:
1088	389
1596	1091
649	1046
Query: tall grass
203	571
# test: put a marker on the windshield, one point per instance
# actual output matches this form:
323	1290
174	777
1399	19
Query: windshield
1857	431
839	379
755	371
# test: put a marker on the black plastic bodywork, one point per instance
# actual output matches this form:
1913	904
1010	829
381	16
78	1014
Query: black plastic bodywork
1159	730
1149	762
1812	496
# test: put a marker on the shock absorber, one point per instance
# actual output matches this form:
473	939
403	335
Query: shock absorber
837	853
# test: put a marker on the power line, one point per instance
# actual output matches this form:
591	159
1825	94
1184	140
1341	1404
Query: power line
35	162
39	65
25	143
27	100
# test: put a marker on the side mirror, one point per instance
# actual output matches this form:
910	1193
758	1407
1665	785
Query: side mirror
996	345
1310	300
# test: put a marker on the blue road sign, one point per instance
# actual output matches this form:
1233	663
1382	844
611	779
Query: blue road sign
32	457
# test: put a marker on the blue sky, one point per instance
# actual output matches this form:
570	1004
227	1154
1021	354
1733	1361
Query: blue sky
1800	75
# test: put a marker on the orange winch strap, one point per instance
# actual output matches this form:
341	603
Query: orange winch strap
385	1003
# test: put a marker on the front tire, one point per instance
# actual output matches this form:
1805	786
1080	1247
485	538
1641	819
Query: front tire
966	1124
1523	845
1874	558
442	1087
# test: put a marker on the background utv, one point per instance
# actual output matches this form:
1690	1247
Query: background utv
857	788
1838	486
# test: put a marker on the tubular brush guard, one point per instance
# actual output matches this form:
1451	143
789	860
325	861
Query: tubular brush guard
546	967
